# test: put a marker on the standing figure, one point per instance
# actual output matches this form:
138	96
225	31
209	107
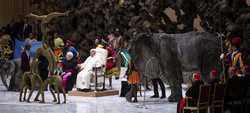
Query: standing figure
27	28
133	80
49	54
123	61
58	46
236	56
155	83
111	70
43	64
25	58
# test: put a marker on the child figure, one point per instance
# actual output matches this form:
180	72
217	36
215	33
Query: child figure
133	80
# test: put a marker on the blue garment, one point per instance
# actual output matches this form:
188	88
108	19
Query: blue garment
73	50
20	44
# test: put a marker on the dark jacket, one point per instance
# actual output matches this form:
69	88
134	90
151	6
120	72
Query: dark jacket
213	82
234	88
27	29
17	29
25	62
69	66
193	91
43	65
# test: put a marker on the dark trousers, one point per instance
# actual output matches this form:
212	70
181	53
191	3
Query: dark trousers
155	85
125	87
43	74
71	82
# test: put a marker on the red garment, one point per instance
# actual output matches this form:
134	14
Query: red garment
214	72
134	78
110	62
65	78
181	104
197	76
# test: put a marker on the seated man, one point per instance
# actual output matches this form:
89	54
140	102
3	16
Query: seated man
214	77
84	76
192	93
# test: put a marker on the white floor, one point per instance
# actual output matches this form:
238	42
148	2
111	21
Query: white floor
111	104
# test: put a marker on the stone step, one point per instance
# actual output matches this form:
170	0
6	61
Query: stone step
94	93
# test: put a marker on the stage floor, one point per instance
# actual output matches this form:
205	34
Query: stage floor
76	104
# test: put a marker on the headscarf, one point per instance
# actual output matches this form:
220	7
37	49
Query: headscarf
197	76
236	41
214	72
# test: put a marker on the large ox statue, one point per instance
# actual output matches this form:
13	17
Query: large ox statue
168	55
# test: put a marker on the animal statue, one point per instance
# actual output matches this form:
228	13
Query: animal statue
166	56
31	78
45	19
54	80
29	81
55	83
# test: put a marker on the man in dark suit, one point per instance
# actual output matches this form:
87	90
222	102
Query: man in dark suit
25	58
214	77
27	29
193	91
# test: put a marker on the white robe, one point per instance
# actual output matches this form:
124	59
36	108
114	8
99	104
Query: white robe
102	54
84	76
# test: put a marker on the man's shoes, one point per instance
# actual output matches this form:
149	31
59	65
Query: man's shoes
155	96
172	99
135	100
162	97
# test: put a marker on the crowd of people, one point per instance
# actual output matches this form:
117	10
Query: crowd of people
75	71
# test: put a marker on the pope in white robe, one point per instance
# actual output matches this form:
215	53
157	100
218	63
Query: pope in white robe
84	76
97	58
